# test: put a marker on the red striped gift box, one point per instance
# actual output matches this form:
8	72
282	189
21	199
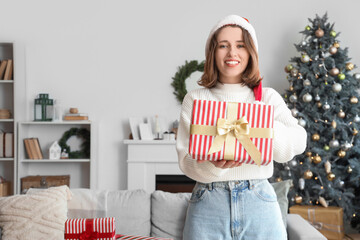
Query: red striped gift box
84	229
140	238
252	116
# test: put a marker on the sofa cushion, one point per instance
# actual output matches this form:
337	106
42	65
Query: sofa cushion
282	190
168	211
39	215
130	208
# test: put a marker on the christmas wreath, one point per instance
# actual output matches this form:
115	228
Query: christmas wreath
183	73
82	133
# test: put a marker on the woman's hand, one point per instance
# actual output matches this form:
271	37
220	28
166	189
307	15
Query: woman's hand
223	163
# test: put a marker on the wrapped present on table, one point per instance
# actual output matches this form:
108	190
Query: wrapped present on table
232	131
84	229
329	220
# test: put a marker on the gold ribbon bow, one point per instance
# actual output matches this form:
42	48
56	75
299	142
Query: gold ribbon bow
230	129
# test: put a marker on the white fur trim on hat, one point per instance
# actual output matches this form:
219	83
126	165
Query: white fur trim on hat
233	20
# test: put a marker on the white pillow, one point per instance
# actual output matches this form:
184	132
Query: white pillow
39	215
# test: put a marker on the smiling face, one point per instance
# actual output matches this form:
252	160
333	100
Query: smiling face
231	55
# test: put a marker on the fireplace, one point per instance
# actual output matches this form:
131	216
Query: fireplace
174	183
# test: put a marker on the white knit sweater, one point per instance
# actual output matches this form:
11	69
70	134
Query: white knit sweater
289	137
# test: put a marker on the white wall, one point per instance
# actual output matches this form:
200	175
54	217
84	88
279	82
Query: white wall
115	59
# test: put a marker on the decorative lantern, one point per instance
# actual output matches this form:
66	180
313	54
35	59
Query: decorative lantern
43	108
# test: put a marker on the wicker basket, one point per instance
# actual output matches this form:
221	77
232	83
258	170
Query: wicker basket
5	114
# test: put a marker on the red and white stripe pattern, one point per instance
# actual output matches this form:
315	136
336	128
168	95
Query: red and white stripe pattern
207	112
140	238
103	226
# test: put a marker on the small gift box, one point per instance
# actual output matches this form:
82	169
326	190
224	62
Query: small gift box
329	220
232	131
90	229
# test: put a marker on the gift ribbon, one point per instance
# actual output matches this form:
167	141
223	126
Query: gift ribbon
89	233
320	225
228	130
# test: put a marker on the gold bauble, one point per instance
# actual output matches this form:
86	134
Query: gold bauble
291	88
319	104
308	174
308	154
341	114
278	179
349	66
330	176
332	50
341	153
349	169
298	199
333	124
315	137
336	44
319	33
317	159
355	131
334	71
354	100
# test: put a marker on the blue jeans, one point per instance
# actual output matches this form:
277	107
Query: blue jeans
241	210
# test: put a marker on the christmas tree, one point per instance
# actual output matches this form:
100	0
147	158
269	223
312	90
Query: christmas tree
323	96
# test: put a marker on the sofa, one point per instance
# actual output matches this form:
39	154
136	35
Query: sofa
136	212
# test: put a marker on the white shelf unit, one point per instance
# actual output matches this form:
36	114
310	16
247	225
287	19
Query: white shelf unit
47	133
7	101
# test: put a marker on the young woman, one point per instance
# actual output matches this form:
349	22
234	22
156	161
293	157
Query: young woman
232	200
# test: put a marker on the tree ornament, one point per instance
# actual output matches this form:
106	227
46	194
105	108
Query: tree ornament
307	97
341	114
298	199
326	106
341	76
349	169
334	143
336	44
287	168
349	66
356	118
354	100
302	122
315	137
317	97
306	82
319	33
333	124
332	50
293	98
305	58
355	131
301	183
332	33
288	68
334	71
293	163
319	104
308	174
307	28
294	112
309	154
291	88
341	153
327	166
357	76
294	72
317	159
323	202
326	148
278	179
346	146
330	176
336	87
303	43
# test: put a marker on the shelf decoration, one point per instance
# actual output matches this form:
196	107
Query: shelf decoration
55	151
82	133
43	108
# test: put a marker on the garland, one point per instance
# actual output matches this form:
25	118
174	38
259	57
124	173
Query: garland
85	146
183	73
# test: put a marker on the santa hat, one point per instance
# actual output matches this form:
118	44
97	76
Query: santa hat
245	24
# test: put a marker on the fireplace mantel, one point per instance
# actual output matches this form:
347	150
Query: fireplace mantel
146	159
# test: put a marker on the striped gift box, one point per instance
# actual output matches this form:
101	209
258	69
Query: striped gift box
140	238
207	114
97	228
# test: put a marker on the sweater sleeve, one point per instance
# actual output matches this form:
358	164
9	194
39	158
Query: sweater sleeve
289	137
190	167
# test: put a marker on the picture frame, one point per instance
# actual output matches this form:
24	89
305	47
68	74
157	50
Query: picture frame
134	126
